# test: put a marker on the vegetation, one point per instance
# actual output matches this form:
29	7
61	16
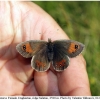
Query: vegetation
81	22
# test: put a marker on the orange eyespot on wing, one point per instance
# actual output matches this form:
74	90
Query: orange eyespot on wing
27	48
73	48
60	63
39	63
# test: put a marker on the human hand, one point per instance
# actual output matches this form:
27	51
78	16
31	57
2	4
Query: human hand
22	21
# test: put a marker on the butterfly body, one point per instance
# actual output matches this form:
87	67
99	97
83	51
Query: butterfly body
45	53
50	52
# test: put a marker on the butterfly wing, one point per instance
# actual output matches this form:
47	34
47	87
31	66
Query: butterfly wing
69	47
60	61
29	48
64	49
40	61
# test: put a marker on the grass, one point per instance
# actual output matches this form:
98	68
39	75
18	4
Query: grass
81	22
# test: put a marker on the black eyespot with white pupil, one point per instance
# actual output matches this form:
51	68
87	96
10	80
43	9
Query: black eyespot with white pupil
76	46
24	47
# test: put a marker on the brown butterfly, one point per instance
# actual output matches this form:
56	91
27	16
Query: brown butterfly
43	53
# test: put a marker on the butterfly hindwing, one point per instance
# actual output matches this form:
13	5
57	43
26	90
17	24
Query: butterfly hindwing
40	61
60	61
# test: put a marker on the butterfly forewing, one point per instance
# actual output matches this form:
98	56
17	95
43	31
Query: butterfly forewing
29	48
69	47
74	48
40	61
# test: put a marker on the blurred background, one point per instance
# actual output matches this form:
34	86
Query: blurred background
81	22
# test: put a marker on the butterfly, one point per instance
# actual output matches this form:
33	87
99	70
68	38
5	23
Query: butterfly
44	53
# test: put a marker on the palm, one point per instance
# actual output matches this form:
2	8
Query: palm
16	75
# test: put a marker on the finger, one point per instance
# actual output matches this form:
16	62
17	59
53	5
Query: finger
30	89
74	80
46	83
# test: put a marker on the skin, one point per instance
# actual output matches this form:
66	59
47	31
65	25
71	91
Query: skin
22	21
